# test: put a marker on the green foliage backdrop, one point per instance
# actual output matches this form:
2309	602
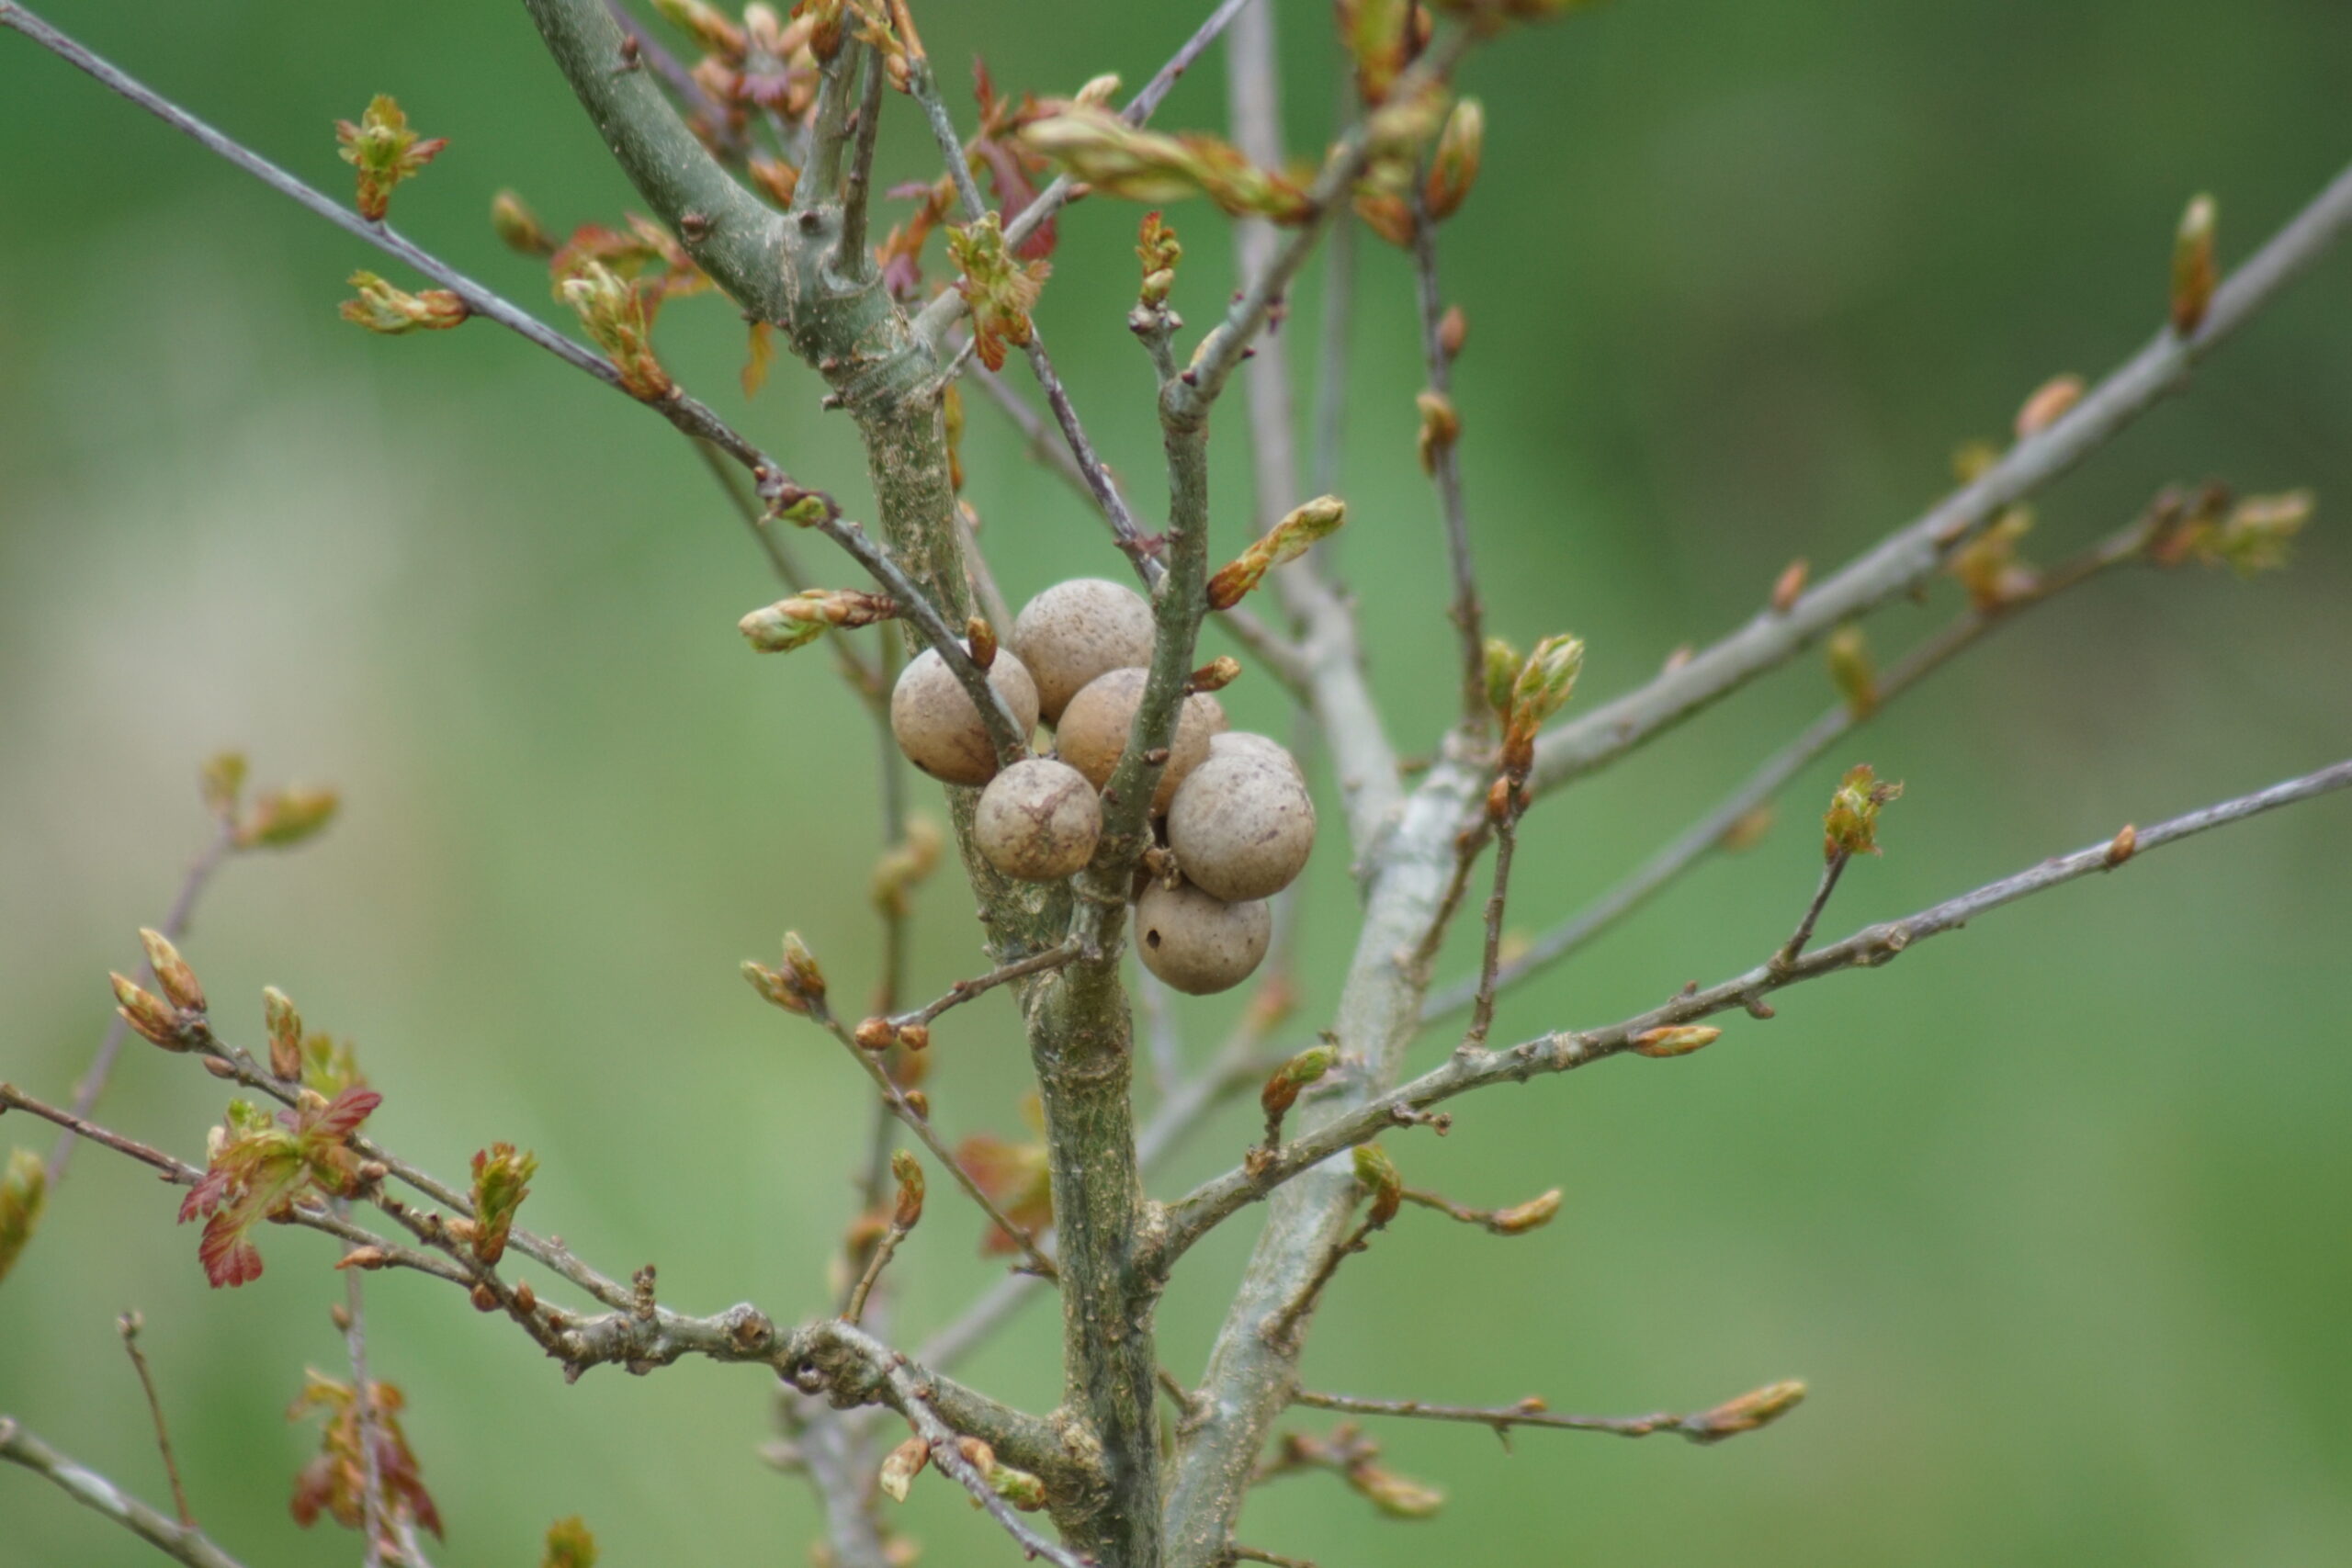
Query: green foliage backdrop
2053	1217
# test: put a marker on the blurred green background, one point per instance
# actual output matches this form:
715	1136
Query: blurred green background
2053	1216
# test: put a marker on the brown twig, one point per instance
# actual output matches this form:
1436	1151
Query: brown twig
1804	933
94	1081
94	1491
1748	1413
129	1324
1444	460
963	991
1190	1217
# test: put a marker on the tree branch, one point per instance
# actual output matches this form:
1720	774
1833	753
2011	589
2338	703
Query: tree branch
1910	556
94	1082
183	1543
1191	1216
1636	888
1445	459
1748	1413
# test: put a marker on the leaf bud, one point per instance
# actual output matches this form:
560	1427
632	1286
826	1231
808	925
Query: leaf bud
1758	1407
286	817
2049	403
1503	663
1285	541
1788	586
1452	331
149	1014
1378	1176
2121	848
171	972
905	1169
1216	676
980	640
1441	427
1454	167
2194	274
876	1034
1283	1087
915	1036
1520	1218
919	1102
904	1463
24	1189
1398	1496
1682	1041
1852	672
283	1026
517	226
222	780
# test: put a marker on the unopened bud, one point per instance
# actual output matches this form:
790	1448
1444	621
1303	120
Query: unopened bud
24	1191
148	1013
1662	1042
284	1028
1378	1176
1452	331
919	1102
2050	403
1541	689
1398	1496
980	638
517	226
1216	676
2123	846
526	1300
1441	427
370	1258
2194	274
1520	1218
908	1175
1282	1088
1098	90
915	1036
171	972
1760	1407
876	1034
1852	672
1498	799
222	780
1454	167
485	1298
1788	586
1285	541
1503	663
800	968
899	1471
287	816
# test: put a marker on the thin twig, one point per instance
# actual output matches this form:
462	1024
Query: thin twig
94	1081
1709	832
1911	555
1804	933
129	1324
1191	1216
1482	1009
963	991
376	1527
1283	1327
854	1310
1445	459
92	1490
919	1124
1747	1414
860	676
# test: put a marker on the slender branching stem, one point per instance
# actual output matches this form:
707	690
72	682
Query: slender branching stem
1482	1009
1770	777
129	1323
94	1082
375	1528
1911	556
1804	933
1444	460
884	1250
176	1540
963	991
1699	1425
1190	1217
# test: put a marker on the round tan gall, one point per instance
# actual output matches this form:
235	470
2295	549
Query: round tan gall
938	725
1242	825
1199	944
1077	630
1037	820
1094	729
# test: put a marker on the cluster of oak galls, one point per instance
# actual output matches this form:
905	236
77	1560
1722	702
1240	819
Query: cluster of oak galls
1232	809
